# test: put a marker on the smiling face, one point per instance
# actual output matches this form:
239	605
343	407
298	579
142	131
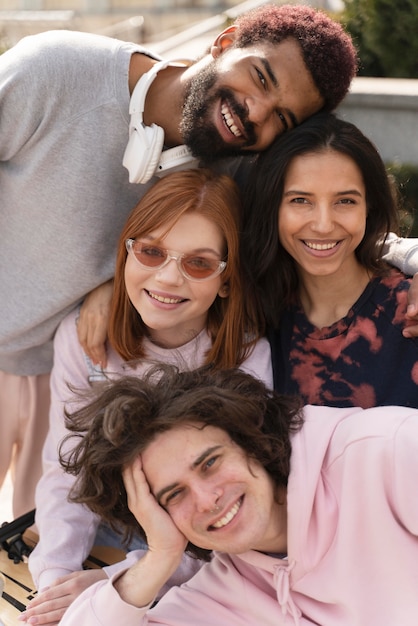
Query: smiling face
246	97
322	215
216	497
173	308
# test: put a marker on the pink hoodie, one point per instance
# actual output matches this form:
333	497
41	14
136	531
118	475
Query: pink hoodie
352	540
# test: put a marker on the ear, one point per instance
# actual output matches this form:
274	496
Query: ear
223	41
224	291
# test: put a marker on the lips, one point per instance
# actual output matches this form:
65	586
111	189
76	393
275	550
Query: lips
229	516
164	299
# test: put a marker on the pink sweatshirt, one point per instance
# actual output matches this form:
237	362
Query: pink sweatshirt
352	540
67	530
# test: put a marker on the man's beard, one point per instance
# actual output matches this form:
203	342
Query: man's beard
200	135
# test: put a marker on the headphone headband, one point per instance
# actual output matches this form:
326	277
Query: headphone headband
144	156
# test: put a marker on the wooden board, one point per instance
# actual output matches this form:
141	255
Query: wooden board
18	587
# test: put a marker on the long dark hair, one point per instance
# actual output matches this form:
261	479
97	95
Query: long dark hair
271	272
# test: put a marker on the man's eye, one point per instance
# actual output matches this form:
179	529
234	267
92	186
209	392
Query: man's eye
210	462
172	496
261	77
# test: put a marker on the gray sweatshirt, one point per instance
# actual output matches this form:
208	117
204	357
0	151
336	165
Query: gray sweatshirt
64	193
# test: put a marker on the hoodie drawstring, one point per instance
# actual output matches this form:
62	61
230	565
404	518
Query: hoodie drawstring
281	577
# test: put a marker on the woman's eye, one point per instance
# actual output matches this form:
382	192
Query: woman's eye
199	262
299	200
152	251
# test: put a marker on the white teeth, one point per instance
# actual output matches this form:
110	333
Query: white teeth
165	300
229	120
320	246
228	517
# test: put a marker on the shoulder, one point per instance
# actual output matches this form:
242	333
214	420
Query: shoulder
346	428
394	282
54	53
258	363
68	41
390	295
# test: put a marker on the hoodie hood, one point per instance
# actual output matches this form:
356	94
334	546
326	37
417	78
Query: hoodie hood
312	505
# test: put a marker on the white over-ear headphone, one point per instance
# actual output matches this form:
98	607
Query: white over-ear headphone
144	156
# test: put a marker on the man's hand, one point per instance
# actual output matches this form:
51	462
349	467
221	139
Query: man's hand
50	605
411	330
93	323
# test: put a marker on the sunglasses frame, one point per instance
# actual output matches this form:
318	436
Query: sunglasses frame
172	255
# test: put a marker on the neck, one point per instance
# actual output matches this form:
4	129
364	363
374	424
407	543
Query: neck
165	97
327	299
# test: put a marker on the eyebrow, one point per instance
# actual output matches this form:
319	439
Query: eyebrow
272	76
348	192
158	244
193	466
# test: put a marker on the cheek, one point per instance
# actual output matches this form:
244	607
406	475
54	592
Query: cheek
205	293
133	274
285	228
182	516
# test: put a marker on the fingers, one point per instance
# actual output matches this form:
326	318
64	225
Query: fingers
92	335
93	322
135	483
50	605
47	612
161	532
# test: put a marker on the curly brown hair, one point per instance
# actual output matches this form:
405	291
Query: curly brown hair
124	416
328	51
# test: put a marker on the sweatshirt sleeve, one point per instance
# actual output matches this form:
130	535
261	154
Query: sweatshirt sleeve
66	530
258	363
405	474
101	605
402	253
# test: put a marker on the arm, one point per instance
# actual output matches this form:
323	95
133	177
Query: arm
50	605
66	530
402	253
93	323
126	597
258	363
405	474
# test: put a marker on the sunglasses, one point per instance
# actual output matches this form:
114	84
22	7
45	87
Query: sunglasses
192	266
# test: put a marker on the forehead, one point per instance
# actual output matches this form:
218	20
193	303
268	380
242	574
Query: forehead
190	230
175	451
295	88
327	163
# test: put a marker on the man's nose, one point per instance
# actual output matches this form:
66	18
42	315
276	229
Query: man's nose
259	109
207	499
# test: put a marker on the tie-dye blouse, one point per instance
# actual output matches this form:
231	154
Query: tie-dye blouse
361	360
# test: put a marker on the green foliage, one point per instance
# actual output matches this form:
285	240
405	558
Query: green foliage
406	181
386	35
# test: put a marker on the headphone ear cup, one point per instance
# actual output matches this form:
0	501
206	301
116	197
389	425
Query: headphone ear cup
143	152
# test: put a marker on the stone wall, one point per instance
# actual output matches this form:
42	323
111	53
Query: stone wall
386	110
